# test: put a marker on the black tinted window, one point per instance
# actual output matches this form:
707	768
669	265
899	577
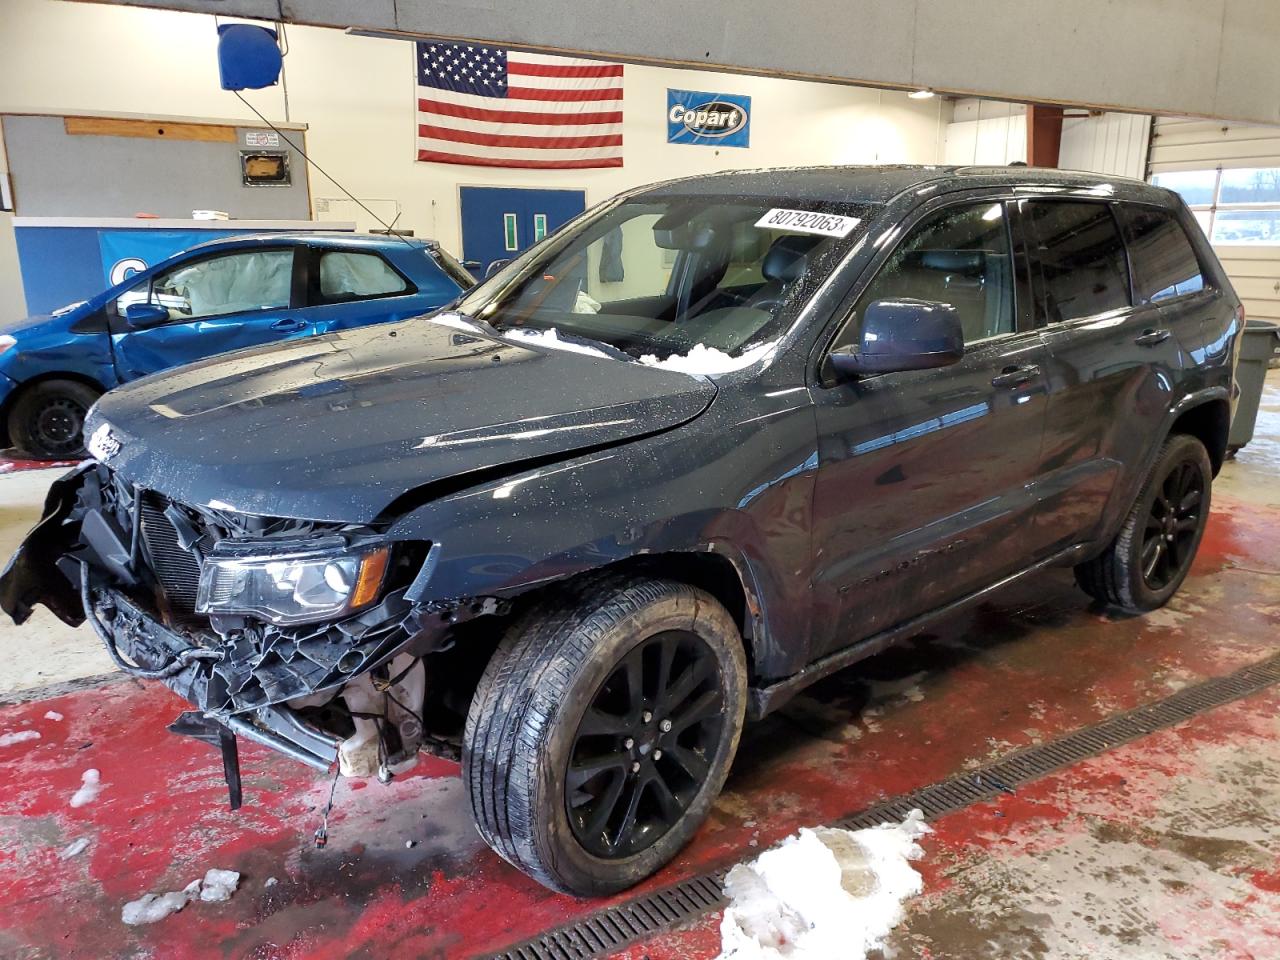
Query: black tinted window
959	256
1164	263
1081	258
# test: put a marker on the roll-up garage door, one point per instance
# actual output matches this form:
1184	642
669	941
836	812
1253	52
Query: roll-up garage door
1230	176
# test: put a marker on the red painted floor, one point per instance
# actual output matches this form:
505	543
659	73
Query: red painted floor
11	464
1027	667
1168	847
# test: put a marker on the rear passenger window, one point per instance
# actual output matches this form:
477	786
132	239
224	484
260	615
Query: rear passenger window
357	276
1164	262
1081	258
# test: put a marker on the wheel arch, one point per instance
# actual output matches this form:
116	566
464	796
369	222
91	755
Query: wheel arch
1209	421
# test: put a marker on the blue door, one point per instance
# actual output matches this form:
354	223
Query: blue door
499	222
216	303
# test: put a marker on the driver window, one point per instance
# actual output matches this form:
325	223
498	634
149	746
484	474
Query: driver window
234	283
959	256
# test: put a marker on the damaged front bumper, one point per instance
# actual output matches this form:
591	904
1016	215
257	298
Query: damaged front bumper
350	691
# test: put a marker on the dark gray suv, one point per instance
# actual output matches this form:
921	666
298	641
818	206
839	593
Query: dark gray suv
708	443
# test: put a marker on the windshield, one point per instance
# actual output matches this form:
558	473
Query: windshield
661	277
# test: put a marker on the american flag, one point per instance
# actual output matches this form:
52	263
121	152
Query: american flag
491	107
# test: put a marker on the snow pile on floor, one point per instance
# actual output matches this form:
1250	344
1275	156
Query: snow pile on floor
705	360
20	736
90	787
219	885
823	893
549	338
216	887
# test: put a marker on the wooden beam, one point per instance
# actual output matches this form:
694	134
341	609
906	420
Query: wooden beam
1044	135
153	129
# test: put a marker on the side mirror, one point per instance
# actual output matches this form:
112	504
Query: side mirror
142	316
903	334
494	267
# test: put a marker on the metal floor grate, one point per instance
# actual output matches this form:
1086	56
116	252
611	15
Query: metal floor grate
613	928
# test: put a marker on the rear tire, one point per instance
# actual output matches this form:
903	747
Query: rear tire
603	729
47	419
1150	557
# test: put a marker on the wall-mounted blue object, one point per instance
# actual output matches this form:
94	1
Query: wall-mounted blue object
248	56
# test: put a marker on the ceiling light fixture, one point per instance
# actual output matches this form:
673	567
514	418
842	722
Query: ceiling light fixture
922	94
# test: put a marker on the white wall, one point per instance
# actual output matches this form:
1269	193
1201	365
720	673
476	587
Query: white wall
1113	143
991	131
357	96
986	132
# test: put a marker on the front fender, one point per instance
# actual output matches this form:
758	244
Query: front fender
738	493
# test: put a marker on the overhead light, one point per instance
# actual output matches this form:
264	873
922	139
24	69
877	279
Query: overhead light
922	94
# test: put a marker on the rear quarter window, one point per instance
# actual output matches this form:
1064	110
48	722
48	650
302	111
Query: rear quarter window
1164	263
346	276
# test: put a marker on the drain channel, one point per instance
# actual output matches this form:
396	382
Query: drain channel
614	928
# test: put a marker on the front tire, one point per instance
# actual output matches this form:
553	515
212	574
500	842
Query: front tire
603	729
1148	560
47	419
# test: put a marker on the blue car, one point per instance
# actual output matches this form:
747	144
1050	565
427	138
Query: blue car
236	292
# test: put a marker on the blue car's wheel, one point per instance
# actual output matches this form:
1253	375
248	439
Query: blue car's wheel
47	420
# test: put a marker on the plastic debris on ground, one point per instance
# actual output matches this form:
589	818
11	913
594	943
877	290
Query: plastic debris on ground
822	893
74	848
90	787
216	887
20	736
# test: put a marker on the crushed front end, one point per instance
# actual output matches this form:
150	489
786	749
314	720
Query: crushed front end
303	636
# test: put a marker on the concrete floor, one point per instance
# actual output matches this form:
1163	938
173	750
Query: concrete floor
1168	847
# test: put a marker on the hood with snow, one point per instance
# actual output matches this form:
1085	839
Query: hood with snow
337	427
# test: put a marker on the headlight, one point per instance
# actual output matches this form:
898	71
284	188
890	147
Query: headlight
289	588
6	342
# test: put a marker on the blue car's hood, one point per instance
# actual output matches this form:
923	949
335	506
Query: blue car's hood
39	323
337	427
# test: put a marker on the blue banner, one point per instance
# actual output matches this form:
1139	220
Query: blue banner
126	252
708	119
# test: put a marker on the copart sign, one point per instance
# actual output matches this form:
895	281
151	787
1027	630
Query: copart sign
708	119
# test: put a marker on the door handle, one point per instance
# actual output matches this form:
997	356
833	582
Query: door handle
1015	376
1150	337
288	324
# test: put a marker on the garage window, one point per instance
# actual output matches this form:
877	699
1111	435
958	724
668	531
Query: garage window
1232	206
348	276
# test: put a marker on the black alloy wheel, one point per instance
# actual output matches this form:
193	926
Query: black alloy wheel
1173	525
1150	556
642	751
603	729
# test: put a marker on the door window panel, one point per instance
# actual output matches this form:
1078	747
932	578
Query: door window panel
959	256
234	283
1164	263
357	276
1081	259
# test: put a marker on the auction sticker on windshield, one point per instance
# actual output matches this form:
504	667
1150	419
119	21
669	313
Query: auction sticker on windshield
806	221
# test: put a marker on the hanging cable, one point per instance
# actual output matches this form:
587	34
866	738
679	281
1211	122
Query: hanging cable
283	136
